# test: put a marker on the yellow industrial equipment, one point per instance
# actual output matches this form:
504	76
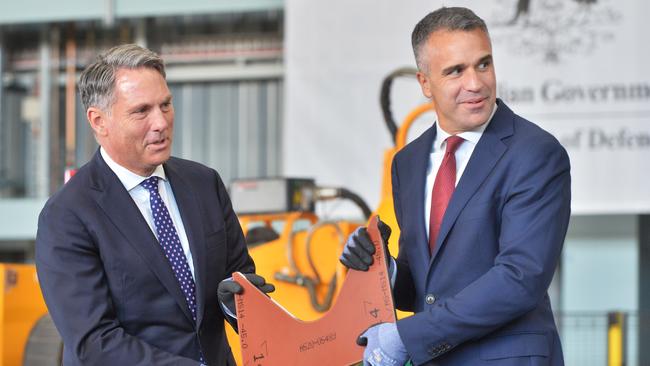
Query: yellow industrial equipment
27	334
302	260
616	324
306	287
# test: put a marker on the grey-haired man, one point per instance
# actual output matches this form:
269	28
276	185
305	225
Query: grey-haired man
132	251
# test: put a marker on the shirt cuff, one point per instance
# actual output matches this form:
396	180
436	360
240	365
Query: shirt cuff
392	271
224	307
227	311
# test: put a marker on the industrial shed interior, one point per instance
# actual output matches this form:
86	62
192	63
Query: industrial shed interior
285	95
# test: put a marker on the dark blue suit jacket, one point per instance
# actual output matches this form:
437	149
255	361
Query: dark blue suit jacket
109	289
499	243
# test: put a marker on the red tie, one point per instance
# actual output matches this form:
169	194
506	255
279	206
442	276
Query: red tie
443	187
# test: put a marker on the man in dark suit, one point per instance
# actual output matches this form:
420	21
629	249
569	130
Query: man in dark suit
482	200
132	251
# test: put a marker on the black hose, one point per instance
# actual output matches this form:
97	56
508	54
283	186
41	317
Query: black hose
346	193
313	297
384	97
306	281
310	284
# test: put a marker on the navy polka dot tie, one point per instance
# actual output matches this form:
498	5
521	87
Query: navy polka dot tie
171	243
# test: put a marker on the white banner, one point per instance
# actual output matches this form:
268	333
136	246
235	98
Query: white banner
577	68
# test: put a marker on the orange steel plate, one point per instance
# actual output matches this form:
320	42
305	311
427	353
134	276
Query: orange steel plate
271	336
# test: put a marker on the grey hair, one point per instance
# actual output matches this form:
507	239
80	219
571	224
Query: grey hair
451	19
97	81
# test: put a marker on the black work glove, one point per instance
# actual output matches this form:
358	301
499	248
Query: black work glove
358	251
228	288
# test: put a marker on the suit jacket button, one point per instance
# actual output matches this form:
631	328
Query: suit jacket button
430	299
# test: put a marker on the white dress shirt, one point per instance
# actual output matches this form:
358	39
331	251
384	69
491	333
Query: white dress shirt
462	155
140	195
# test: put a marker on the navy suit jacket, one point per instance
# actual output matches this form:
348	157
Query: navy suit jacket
481	297
108	287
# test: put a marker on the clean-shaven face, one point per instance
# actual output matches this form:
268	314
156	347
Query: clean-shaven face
459	78
140	124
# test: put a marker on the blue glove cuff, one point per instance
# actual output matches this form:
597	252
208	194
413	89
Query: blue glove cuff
224	307
385	347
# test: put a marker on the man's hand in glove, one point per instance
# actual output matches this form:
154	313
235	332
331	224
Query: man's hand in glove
228	288
358	251
384	347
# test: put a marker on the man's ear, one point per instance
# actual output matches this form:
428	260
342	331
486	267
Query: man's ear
97	119
423	79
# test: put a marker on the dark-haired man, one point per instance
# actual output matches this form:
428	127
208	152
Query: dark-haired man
482	200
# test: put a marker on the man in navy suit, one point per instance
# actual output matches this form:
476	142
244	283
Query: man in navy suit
132	251
482	200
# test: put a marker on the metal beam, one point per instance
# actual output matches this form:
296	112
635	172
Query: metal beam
109	13
204	73
2	88
42	130
141	33
19	218
43	11
644	288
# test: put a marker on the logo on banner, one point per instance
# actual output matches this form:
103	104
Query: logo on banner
553	29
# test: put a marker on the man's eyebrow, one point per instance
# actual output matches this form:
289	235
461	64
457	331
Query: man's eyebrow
486	58
448	70
138	107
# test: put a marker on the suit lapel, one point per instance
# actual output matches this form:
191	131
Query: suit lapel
416	167
190	213
125	215
486	154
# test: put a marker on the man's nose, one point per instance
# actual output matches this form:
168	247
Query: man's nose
472	81
160	119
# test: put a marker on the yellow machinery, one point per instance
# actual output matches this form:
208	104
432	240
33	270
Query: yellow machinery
305	290
27	334
302	262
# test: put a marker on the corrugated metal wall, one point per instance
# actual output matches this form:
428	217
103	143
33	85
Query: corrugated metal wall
234	127
15	157
225	69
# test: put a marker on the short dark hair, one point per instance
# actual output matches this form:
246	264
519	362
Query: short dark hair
97	81
452	19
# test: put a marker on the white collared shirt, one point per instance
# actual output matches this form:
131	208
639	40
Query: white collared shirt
140	195
462	155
